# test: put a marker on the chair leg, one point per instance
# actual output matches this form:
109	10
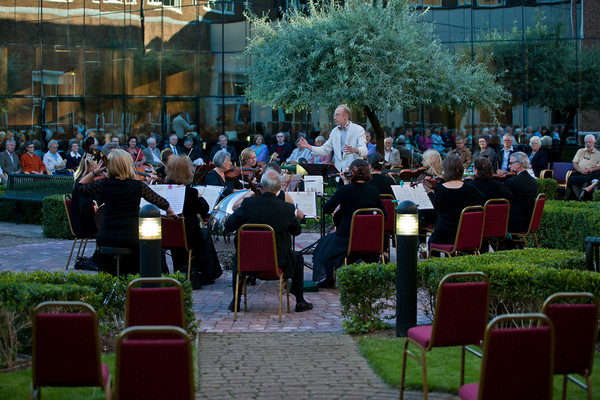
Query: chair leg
403	370
235	302
287	292
589	386
462	365
71	254
245	291
422	361
537	245
189	264
564	387
280	295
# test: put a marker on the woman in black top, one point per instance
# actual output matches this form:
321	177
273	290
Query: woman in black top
332	248
490	188
449	199
121	193
216	177
383	183
180	171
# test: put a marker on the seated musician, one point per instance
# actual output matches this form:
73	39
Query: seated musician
332	248
32	163
248	160
181	172
82	206
193	151
490	188
383	183
267	209
217	176
432	160
449	199
165	156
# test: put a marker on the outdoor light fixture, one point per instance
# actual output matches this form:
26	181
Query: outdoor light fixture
407	244
150	241
150	227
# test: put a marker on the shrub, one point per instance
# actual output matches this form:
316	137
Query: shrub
549	187
29	213
55	223
565	224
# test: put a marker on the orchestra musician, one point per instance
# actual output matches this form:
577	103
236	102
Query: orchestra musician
332	248
490	188
82	206
180	171
136	153
217	176
383	183
120	192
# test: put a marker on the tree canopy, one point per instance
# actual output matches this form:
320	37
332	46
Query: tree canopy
366	55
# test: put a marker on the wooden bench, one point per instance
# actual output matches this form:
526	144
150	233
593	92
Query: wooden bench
33	188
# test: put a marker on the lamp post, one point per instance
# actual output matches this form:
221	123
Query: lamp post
407	243
150	237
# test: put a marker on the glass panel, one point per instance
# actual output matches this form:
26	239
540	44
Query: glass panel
181	73
105	115
142	117
106	72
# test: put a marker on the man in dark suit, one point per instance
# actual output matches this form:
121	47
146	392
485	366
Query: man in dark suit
282	148
222	145
524	189
281	216
501	163
9	160
177	150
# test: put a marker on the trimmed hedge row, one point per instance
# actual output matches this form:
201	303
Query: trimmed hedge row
565	224
520	281
549	187
55	223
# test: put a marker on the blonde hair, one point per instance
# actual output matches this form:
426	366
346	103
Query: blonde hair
246	154
120	165
433	161
179	170
84	167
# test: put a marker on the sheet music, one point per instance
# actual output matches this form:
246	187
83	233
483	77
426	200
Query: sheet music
211	194
416	194
174	194
313	183
290	182
306	202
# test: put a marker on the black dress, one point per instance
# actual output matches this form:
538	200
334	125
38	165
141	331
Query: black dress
332	248
491	189
82	213
213	178
120	225
383	183
449	203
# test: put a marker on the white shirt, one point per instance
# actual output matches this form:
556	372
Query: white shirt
52	161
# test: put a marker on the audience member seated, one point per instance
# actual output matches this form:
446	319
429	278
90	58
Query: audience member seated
409	156
173	146
586	164
222	145
490	188
73	157
462	152
553	155
503	155
390	154
31	163
371	147
52	160
260	148
9	159
136	153
326	159
438	141
449	199
193	151
299	154
538	159
524	190
383	183
281	147
485	151
152	153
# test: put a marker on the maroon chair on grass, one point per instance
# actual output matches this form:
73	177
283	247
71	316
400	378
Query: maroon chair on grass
257	256
366	233
495	223
517	363
534	223
173	236
66	347
461	314
468	235
154	305
81	241
575	320
149	368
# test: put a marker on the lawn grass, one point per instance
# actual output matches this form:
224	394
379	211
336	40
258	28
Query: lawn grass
443	368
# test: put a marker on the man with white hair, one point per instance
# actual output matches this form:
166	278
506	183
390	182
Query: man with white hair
524	189
347	140
152	153
586	164
223	145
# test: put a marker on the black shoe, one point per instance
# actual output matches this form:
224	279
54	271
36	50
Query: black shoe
303	306
232	305
327	283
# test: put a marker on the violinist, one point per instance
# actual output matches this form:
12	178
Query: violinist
218	175
82	206
383	183
433	162
332	248
165	156
193	151
137	154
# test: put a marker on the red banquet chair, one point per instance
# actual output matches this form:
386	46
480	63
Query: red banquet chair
173	236
461	314
257	256
495	223
468	235
517	361
81	241
534	223
66	347
575	320
154	305
366	233
150	368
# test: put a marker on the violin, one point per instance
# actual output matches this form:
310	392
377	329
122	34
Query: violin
97	155
146	173
428	181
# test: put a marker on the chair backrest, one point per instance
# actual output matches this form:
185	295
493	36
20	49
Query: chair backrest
257	251
173	233
66	345
495	223
461	310
148	368
154	305
366	232
67	202
575	329
538	210
517	358
560	170
470	229
389	226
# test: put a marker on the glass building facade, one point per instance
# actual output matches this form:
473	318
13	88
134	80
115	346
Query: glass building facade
130	66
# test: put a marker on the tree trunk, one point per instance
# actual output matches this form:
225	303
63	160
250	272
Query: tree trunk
377	129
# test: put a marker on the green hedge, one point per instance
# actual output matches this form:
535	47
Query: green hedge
55	223
520	281
29	213
565	224
549	187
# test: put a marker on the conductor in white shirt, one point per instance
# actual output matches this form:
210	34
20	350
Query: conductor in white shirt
347	140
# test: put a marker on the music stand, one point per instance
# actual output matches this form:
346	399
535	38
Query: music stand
200	174
325	170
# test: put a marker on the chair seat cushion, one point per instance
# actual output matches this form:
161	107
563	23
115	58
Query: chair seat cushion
468	392
444	247
421	334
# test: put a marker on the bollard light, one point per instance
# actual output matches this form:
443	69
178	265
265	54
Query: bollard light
150	241
407	244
